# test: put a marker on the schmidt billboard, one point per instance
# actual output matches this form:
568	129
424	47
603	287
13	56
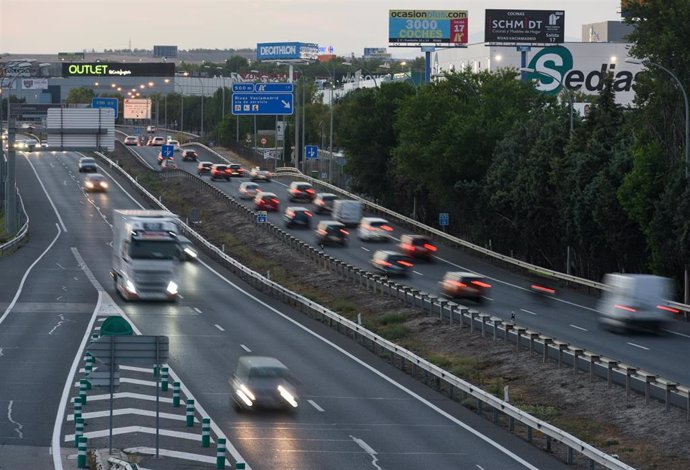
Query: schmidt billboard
524	26
287	51
118	69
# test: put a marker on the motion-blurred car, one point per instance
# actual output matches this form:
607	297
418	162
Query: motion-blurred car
331	232
266	202
187	250
204	168
235	169
374	228
131	140
301	191
464	285
417	246
631	301
95	182
174	143
297	216
150	129
156	141
391	263
87	165
189	155
249	190
263	382
324	202
257	174
219	171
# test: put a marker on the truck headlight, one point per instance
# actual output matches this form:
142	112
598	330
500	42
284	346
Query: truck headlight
129	285
190	252
172	288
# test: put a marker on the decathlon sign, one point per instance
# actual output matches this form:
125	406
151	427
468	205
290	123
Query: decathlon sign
583	70
524	26
287	51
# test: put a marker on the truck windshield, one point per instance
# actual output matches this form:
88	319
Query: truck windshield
153	249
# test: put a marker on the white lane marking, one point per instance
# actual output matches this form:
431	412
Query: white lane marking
488	298
578	328
136	369
479	467
18	426
197	310
638	346
176	454
675	333
219	327
26	274
131	429
365	249
315	405
129	411
1	354
60	266
130	395
61	316
367	448
527	311
416	272
62	224
375	371
245	348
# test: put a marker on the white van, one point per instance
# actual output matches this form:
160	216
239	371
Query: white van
635	300
347	212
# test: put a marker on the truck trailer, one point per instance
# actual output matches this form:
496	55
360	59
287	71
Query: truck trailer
145	254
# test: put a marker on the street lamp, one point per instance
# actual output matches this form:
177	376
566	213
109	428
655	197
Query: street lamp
685	98
560	83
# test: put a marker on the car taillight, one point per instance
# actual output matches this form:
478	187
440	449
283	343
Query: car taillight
459	284
344	232
481	284
387	228
383	263
321	231
290	213
627	309
275	201
406	246
308	213
668	309
311	191
547	290
407	264
429	247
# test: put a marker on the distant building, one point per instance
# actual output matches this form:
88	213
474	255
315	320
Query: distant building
606	31
376	53
164	51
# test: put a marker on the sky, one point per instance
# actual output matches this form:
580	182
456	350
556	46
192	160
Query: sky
51	26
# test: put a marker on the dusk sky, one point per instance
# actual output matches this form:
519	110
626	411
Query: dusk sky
51	26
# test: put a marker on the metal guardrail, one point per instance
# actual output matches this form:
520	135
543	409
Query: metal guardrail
359	333
21	233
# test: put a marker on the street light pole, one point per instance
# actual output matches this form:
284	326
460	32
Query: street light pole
560	82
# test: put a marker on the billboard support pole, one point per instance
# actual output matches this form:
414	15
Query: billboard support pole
427	66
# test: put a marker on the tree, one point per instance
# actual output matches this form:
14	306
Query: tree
81	95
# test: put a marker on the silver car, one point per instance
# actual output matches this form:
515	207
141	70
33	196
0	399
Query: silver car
263	382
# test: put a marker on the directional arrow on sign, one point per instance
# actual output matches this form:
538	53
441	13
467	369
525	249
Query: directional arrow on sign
286	104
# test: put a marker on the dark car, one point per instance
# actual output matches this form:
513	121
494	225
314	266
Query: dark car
391	263
87	165
324	202
331	232
417	246
266	202
219	171
189	155
301	191
95	183
204	168
464	285
263	382
235	169
297	216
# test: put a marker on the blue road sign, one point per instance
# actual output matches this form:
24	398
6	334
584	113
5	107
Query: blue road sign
261	103
443	219
105	103
242	87
273	87
311	152
261	217
137	130
167	151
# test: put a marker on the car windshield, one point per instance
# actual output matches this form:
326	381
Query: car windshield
377	223
268	373
87	161
420	241
150	249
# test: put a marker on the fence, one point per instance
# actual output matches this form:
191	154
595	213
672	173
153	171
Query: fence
23	230
399	356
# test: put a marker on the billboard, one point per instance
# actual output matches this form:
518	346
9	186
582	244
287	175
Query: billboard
412	28
524	26
137	108
34	83
287	51
628	5
118	69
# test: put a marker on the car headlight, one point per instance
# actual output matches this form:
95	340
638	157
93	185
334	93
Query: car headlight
172	288
88	184
246	395
104	184
129	285
190	252
287	396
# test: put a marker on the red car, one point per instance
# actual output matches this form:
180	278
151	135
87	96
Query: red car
235	169
266	202
220	171
301	191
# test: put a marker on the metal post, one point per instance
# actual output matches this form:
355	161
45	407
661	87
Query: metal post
330	137
297	114
81	453
164	383
112	392
78	430
158	380
182	111
222	106
304	115
190	413
10	186
220	454
176	394
205	432
165	111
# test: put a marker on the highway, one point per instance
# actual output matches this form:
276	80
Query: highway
571	317
357	411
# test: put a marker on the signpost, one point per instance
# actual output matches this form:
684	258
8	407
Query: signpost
444	220
262	103
167	151
311	152
105	103
137	108
261	217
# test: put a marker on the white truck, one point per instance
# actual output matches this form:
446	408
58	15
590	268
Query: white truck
145	254
347	212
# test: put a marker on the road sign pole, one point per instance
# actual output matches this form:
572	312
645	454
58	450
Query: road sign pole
176	394
81	453
220	454
205	432
158	379
112	392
